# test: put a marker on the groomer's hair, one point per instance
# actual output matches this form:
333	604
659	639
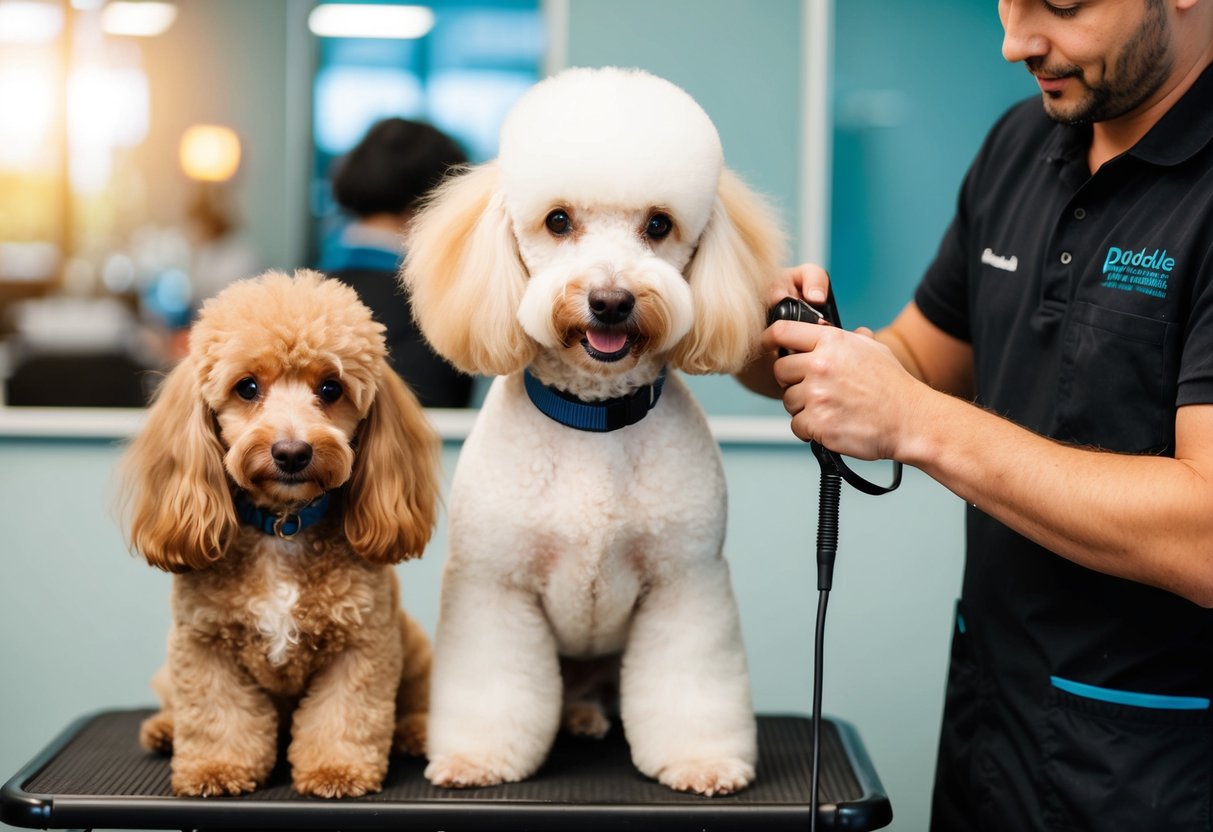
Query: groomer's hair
395	165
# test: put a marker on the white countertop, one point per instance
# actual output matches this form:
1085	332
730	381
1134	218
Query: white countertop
452	424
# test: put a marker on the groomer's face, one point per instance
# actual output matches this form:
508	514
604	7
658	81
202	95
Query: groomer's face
1095	60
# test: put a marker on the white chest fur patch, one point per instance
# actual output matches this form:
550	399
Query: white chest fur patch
274	614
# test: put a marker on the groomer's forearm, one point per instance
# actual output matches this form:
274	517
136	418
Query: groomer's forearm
1144	518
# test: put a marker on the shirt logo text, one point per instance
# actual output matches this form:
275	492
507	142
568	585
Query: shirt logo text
1140	270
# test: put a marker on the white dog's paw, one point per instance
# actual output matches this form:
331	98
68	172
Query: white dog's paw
586	719
708	777
458	771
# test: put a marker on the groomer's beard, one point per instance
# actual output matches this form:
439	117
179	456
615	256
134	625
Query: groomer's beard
1130	78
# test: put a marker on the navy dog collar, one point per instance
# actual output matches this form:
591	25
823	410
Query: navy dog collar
283	525
599	416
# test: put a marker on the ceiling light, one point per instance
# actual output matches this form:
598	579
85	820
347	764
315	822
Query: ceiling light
24	21
334	20
143	19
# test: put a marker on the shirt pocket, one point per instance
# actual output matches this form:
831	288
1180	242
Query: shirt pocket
1118	381
1113	765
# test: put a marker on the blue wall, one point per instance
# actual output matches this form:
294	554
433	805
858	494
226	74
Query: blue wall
916	86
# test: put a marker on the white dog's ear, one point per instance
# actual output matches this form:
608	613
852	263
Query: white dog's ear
465	277
740	254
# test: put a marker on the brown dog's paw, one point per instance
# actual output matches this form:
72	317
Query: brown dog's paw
409	737
338	780
212	779
156	733
708	777
586	719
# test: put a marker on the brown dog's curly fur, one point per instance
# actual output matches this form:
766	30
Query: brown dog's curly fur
305	630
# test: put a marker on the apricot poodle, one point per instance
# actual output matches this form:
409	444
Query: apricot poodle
282	470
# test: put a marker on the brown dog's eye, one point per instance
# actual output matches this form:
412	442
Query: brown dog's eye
330	390
247	388
558	223
658	227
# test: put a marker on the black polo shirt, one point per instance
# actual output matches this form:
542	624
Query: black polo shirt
1088	300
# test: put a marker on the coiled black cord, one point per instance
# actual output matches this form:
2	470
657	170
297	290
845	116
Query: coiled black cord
827	523
827	547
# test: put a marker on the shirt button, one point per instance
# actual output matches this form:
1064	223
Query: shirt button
1080	213
1066	258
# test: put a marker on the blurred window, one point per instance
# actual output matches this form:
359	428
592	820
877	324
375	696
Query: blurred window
75	101
462	75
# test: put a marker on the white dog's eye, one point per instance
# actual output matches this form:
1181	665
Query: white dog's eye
658	227
558	222
330	390
247	388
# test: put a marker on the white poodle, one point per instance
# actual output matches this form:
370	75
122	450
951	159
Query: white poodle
606	244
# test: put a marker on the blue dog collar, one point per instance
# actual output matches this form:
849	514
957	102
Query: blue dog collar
283	525
600	416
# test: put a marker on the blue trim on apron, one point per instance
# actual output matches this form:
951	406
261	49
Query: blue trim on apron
1128	697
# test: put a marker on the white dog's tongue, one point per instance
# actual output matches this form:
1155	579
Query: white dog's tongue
606	341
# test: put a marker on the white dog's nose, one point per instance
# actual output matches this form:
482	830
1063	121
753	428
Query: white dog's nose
611	306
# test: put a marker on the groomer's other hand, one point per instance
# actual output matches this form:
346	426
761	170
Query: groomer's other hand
808	282
844	390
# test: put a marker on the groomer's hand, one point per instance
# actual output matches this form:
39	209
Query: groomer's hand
844	390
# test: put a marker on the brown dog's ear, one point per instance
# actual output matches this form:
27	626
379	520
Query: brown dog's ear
176	490
740	255
465	277
391	502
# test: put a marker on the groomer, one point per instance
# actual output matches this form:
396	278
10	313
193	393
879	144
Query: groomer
1055	371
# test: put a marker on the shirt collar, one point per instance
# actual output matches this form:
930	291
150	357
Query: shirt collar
1184	129
1181	132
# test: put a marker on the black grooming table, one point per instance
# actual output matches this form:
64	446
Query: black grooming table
95	775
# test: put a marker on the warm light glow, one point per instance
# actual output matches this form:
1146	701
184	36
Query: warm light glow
367	21
108	105
137	19
107	109
28	88
26	21
210	153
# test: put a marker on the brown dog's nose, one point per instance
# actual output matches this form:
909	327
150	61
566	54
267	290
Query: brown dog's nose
611	306
291	455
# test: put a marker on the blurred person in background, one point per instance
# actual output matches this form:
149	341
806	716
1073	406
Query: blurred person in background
379	183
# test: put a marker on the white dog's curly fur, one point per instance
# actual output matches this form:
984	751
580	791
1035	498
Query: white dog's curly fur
605	243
